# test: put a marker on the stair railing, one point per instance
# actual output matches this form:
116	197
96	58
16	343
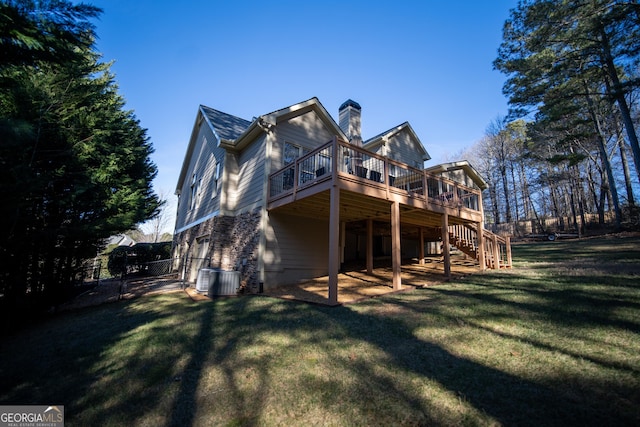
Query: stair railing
497	249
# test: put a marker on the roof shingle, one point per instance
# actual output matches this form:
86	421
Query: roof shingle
227	126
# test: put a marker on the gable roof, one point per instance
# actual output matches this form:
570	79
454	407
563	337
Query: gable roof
234	133
225	126
304	106
266	121
465	166
379	139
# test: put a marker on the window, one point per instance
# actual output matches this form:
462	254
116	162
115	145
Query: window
291	153
196	187
194	191
216	179
392	174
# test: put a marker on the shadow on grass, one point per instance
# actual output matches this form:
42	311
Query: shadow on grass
563	314
170	362
164	360
184	407
71	355
565	399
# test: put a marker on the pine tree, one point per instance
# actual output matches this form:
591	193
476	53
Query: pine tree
548	45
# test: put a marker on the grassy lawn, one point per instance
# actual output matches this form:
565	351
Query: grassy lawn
552	342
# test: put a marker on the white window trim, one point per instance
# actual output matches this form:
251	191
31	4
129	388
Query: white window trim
216	179
194	190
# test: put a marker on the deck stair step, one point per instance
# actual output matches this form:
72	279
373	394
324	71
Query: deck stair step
466	247
497	249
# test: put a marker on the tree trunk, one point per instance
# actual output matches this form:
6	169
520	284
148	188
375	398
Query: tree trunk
554	200
625	169
526	194
505	186
494	201
516	207
617	93
592	189
606	165
581	199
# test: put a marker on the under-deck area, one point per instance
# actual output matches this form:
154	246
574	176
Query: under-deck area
356	284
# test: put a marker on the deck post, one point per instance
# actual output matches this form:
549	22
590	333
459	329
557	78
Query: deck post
334	244
421	248
496	253
369	246
264	214
386	176
343	240
445	245
480	247
396	254
508	244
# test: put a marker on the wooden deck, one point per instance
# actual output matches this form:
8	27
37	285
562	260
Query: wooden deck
346	184
303	188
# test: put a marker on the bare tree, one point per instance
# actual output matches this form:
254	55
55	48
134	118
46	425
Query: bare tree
155	228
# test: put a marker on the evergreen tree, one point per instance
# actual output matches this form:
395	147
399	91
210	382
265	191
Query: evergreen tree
74	164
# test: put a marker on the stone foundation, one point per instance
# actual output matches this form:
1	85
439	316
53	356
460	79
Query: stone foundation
233	245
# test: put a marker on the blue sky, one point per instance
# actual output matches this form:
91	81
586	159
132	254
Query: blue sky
426	62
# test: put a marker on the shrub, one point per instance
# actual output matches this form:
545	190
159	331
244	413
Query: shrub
124	259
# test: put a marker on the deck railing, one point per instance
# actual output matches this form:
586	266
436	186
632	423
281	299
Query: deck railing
497	249
373	169
304	171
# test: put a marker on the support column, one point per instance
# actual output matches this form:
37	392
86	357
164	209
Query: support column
264	214
369	250
396	253
421	249
343	240
445	245
334	245
480	243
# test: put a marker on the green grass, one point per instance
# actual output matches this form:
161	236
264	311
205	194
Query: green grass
552	342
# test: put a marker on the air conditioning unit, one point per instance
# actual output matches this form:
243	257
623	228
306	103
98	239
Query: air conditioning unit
205	277
216	282
224	283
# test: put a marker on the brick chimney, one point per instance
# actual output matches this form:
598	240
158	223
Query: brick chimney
349	121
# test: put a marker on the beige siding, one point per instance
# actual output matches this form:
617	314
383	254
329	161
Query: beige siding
228	197
403	148
306	130
460	176
247	183
297	249
204	158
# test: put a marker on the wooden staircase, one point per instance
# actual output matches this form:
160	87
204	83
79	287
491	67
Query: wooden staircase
495	252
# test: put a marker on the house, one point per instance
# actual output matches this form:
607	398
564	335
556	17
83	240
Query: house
120	240
292	195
